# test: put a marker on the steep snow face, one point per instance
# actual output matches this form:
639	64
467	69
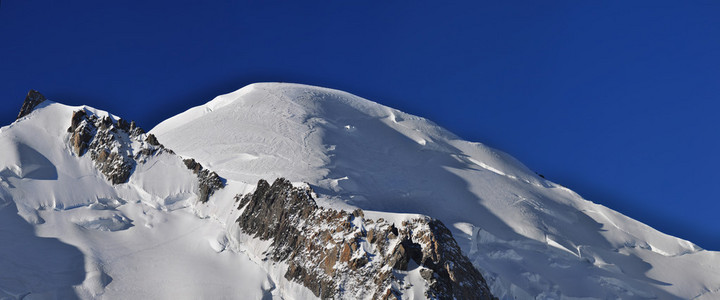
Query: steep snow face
531	238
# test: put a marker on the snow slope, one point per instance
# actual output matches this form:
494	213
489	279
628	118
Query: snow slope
66	232
531	238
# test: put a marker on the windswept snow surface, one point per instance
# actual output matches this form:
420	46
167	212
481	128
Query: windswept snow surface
531	238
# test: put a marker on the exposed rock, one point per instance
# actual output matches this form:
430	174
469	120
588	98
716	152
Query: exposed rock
124	125
77	118
152	140
109	143
81	136
108	147
209	181
337	254
135	130
193	165
32	100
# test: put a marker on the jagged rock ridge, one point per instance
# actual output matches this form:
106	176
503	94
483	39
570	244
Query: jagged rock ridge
337	254
110	144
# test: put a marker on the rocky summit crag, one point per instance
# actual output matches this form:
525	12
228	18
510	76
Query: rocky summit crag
32	100
342	255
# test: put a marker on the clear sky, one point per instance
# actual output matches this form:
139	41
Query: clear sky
617	100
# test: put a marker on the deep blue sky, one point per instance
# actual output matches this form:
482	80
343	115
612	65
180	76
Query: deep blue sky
617	101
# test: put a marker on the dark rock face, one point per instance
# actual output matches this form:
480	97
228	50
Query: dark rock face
32	100
109	144
337	254
209	181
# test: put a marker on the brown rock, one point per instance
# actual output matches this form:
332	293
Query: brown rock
77	117
32	100
371	236
330	260
346	253
302	234
152	140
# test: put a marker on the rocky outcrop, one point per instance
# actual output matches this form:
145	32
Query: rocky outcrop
209	181
337	254
109	144
32	100
116	147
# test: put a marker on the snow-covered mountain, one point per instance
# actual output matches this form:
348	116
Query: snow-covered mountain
375	203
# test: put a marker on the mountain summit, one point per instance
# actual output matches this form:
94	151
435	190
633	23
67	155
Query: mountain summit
365	202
